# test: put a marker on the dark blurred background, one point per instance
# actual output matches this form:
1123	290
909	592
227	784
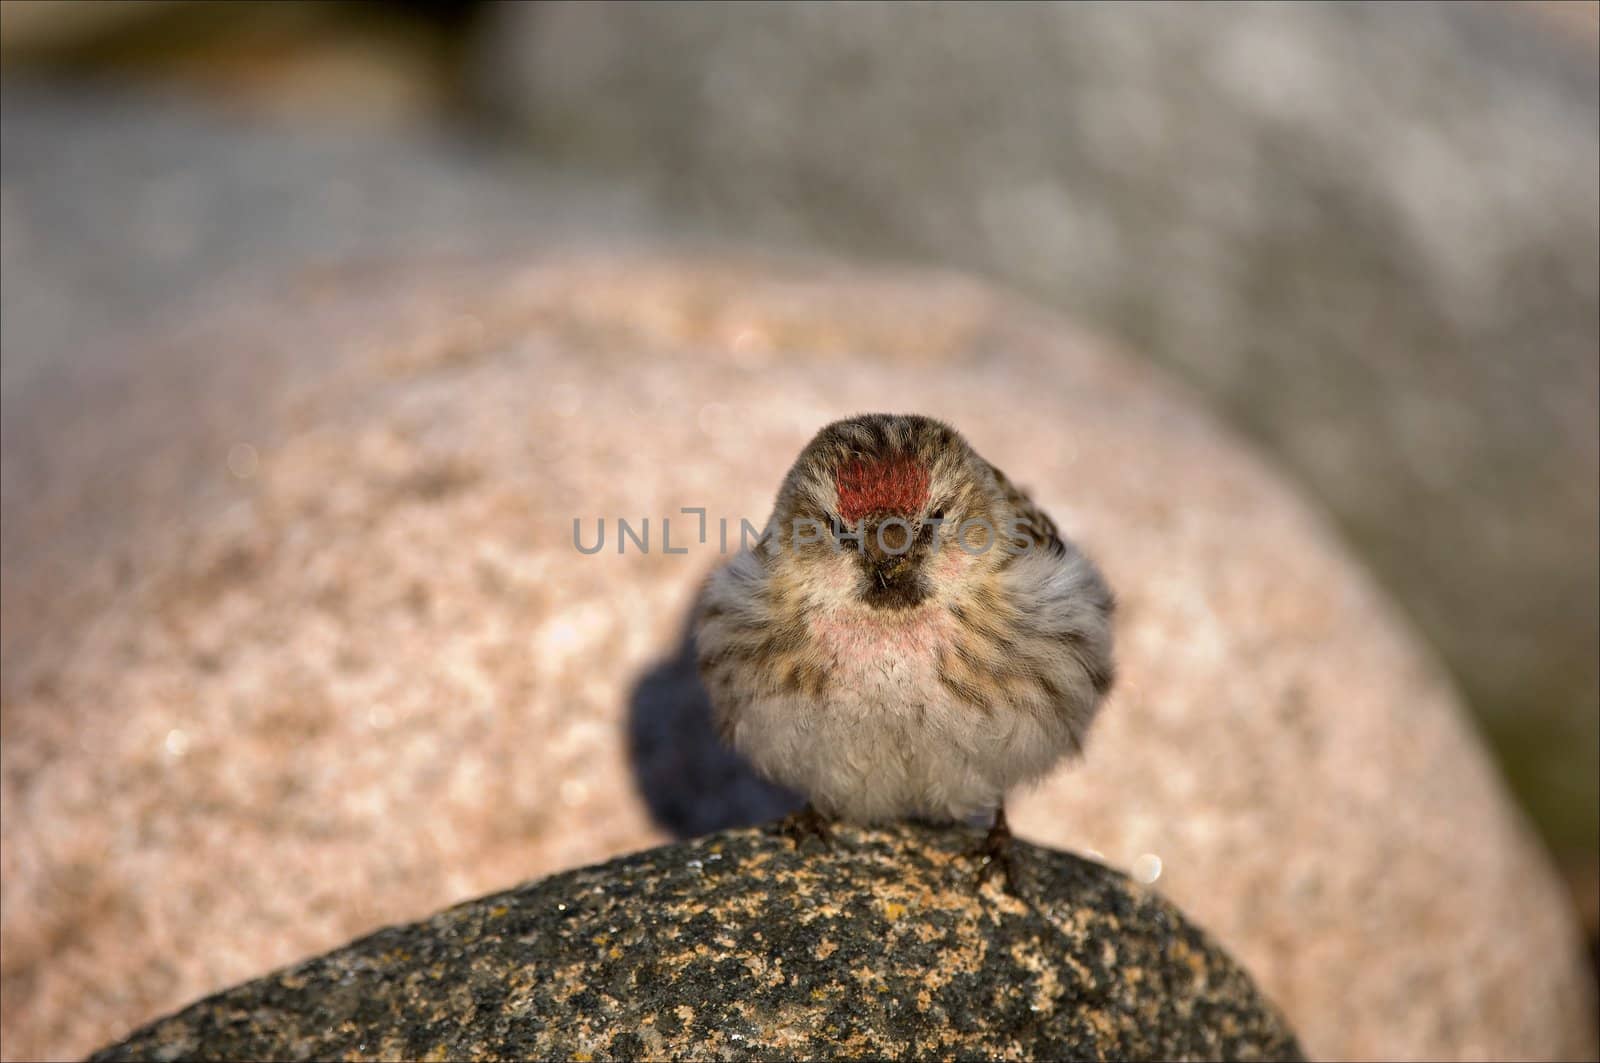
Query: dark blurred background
1367	236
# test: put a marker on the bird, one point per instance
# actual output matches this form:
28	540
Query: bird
909	637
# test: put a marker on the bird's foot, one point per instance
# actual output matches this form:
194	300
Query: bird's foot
996	855
806	823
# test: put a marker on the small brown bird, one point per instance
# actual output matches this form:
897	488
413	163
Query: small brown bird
910	637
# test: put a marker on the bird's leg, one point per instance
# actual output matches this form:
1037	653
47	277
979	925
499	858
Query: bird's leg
995	856
806	823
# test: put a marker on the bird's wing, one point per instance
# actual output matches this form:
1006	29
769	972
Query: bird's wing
1035	522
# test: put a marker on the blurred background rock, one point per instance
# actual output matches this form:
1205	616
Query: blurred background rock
1370	236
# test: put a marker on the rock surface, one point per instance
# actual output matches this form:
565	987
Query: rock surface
1368	233
882	945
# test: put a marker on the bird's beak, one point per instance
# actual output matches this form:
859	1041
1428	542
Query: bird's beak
889	553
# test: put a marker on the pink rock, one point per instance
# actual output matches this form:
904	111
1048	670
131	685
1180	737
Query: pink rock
297	642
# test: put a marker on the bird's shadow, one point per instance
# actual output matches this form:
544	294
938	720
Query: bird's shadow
690	781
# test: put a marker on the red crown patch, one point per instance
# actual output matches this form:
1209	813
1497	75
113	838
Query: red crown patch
892	485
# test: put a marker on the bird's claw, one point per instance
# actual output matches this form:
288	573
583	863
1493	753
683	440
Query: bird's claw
806	823
995	855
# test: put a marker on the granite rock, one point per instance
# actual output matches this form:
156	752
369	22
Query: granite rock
881	944
360	671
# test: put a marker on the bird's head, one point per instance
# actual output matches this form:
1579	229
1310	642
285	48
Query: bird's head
887	511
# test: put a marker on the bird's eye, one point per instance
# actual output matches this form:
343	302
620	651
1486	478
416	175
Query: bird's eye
937	514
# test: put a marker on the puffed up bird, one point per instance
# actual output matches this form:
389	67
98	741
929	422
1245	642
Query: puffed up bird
911	637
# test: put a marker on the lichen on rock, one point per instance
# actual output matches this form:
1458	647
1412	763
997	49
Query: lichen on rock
883	943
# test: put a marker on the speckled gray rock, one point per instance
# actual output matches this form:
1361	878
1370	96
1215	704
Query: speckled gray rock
883	944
